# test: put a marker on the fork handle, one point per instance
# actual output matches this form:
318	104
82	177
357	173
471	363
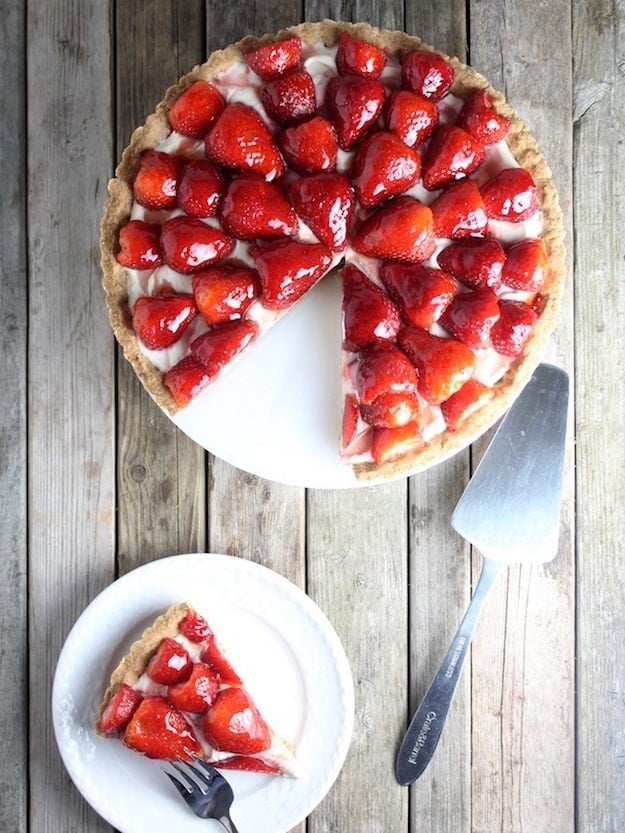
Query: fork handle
227	824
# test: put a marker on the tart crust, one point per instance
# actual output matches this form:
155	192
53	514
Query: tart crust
520	142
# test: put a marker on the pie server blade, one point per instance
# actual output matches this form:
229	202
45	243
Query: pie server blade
510	511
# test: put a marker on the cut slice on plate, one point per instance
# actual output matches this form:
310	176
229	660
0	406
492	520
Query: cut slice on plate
176	695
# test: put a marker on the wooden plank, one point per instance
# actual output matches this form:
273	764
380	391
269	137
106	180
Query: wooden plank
70	439
13	340
523	655
599	115
162	476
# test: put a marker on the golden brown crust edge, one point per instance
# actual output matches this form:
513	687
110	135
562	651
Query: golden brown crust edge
522	145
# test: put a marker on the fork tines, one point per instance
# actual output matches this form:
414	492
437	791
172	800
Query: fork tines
191	775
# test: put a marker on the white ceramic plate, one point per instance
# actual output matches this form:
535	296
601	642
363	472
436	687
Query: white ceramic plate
286	651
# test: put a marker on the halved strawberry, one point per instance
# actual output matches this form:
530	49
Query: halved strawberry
525	266
288	269
185	380
189	245
195	627
140	246
310	147
252	207
479	118
474	261
196	693
170	664
470	317
291	98
420	292
390	410
200	188
513	327
383	368
452	154
349	423
390	443
195	109
213	657
216	348
443	364
427	73
274	59
369	315
160	320
234	724
410	116
459	211
325	202
402	230
383	167
356	57
471	396
245	763
240	141
225	291
510	195
156	182
354	104
159	730
119	710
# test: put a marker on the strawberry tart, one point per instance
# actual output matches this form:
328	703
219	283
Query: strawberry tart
175	695
341	152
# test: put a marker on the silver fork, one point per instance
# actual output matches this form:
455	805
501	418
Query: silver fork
205	790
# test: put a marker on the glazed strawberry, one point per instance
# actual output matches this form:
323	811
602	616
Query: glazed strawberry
513	327
389	443
290	99
252	207
310	147
420	292
510	195
349	423
288	269
240	141
452	154
160	320
159	730
410	116
354	104
459	211
193	112
325	202
474	261
199	189
390	410
195	627
479	118
213	657
156	182
245	763
525	266
383	167
443	364
170	664
471	396
225	291
402	229
140	246
356	57
234	724
470	317
185	380
189	245
427	73
369	315
384	369
195	694
119	710
274	59
216	348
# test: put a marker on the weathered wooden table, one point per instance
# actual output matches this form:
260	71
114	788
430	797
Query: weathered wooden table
95	481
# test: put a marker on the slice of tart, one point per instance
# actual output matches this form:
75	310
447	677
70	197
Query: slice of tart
340	148
175	695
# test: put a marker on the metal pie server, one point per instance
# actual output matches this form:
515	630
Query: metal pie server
510	511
